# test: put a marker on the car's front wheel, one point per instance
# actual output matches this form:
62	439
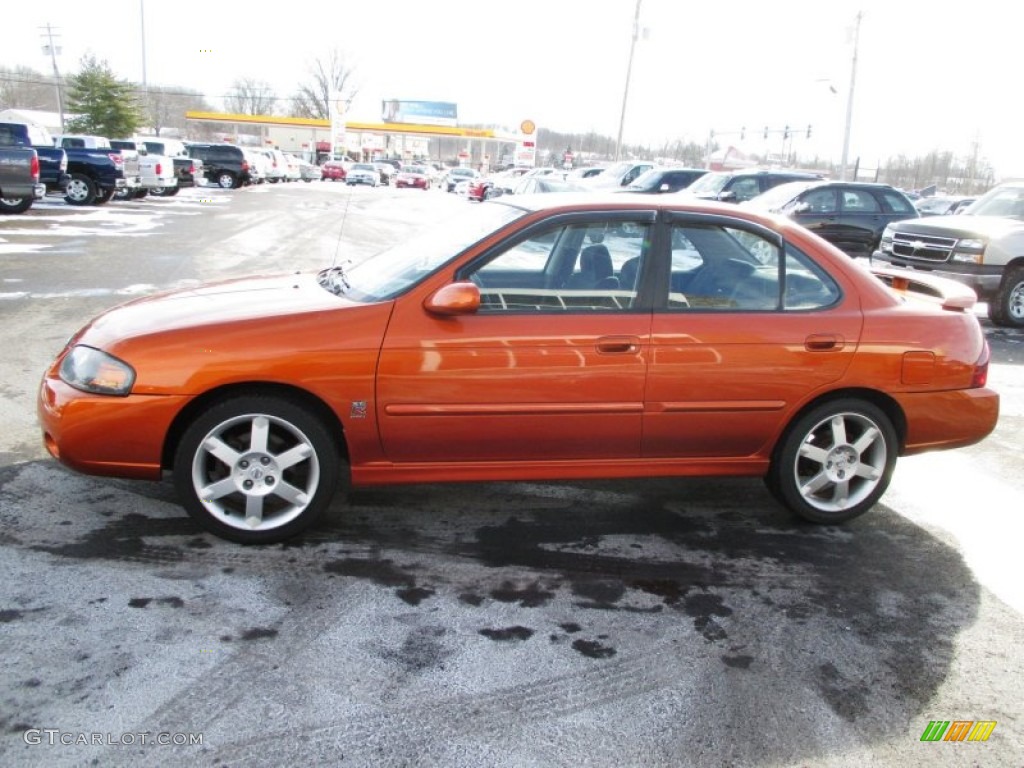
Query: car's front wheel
835	461
256	469
1006	308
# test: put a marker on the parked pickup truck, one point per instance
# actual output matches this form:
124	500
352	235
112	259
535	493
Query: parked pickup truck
19	179
982	247
155	170
53	161
97	170
188	170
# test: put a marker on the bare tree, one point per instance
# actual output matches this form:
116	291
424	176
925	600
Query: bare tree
26	88
250	97
327	76
165	108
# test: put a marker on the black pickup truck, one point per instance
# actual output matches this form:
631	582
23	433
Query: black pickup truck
92	175
53	161
19	179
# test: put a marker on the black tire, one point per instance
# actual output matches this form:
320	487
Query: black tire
81	190
171	191
835	461
15	204
227	180
140	193
124	193
1006	308
104	196
245	475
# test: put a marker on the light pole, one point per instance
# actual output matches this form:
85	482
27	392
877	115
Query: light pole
629	72
849	100
52	49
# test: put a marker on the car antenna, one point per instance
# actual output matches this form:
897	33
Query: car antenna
341	229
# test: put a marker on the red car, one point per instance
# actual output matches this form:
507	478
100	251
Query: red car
412	176
531	338
479	189
332	170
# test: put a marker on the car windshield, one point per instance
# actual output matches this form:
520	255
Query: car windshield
776	197
363	167
648	179
467	172
393	271
709	184
1001	201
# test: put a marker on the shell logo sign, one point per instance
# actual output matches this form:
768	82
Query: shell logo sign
526	151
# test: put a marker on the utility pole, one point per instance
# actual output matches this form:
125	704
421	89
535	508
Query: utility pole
849	100
629	72
51	49
142	21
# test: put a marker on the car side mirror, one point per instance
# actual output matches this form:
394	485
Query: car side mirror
462	298
801	207
664	188
727	196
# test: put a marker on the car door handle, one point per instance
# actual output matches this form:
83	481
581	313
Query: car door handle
618	345
823	342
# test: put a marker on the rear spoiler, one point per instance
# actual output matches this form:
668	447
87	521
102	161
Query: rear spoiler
950	294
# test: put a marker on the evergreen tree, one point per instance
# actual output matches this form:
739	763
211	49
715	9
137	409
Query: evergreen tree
101	104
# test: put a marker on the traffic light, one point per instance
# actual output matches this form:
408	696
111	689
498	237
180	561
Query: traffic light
743	133
766	133
785	133
808	131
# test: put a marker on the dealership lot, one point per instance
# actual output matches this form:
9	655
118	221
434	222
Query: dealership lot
661	622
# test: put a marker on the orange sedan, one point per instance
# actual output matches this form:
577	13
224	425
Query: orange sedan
534	337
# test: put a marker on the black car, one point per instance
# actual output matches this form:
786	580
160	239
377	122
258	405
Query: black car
850	215
223	164
658	180
738	186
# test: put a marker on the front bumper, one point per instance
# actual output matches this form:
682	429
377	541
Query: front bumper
983	279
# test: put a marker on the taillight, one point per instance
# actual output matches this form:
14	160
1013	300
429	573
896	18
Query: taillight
117	159
159	169
35	167
980	376
245	166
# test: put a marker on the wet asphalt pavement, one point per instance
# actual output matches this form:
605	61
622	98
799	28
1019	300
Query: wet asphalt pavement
619	623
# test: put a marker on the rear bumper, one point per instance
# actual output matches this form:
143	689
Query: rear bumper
953	419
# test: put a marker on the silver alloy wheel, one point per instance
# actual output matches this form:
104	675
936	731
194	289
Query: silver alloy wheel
841	460
1015	302
255	472
77	190
226	181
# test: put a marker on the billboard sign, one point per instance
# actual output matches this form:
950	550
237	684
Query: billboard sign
419	112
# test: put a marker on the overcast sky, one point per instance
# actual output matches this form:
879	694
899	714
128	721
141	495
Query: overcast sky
930	75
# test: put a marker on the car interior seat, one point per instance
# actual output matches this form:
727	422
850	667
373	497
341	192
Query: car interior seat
596	270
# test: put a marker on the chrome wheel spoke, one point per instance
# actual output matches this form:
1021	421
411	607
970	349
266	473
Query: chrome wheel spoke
841	494
815	484
813	453
868	439
291	494
218	490
260	434
254	511
293	456
867	472
838	430
221	450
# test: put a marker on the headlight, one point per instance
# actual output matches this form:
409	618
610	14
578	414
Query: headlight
885	244
91	370
969	251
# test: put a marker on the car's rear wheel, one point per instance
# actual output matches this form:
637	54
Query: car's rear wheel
15	204
226	180
104	196
256	469
1006	308
835	461
81	190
